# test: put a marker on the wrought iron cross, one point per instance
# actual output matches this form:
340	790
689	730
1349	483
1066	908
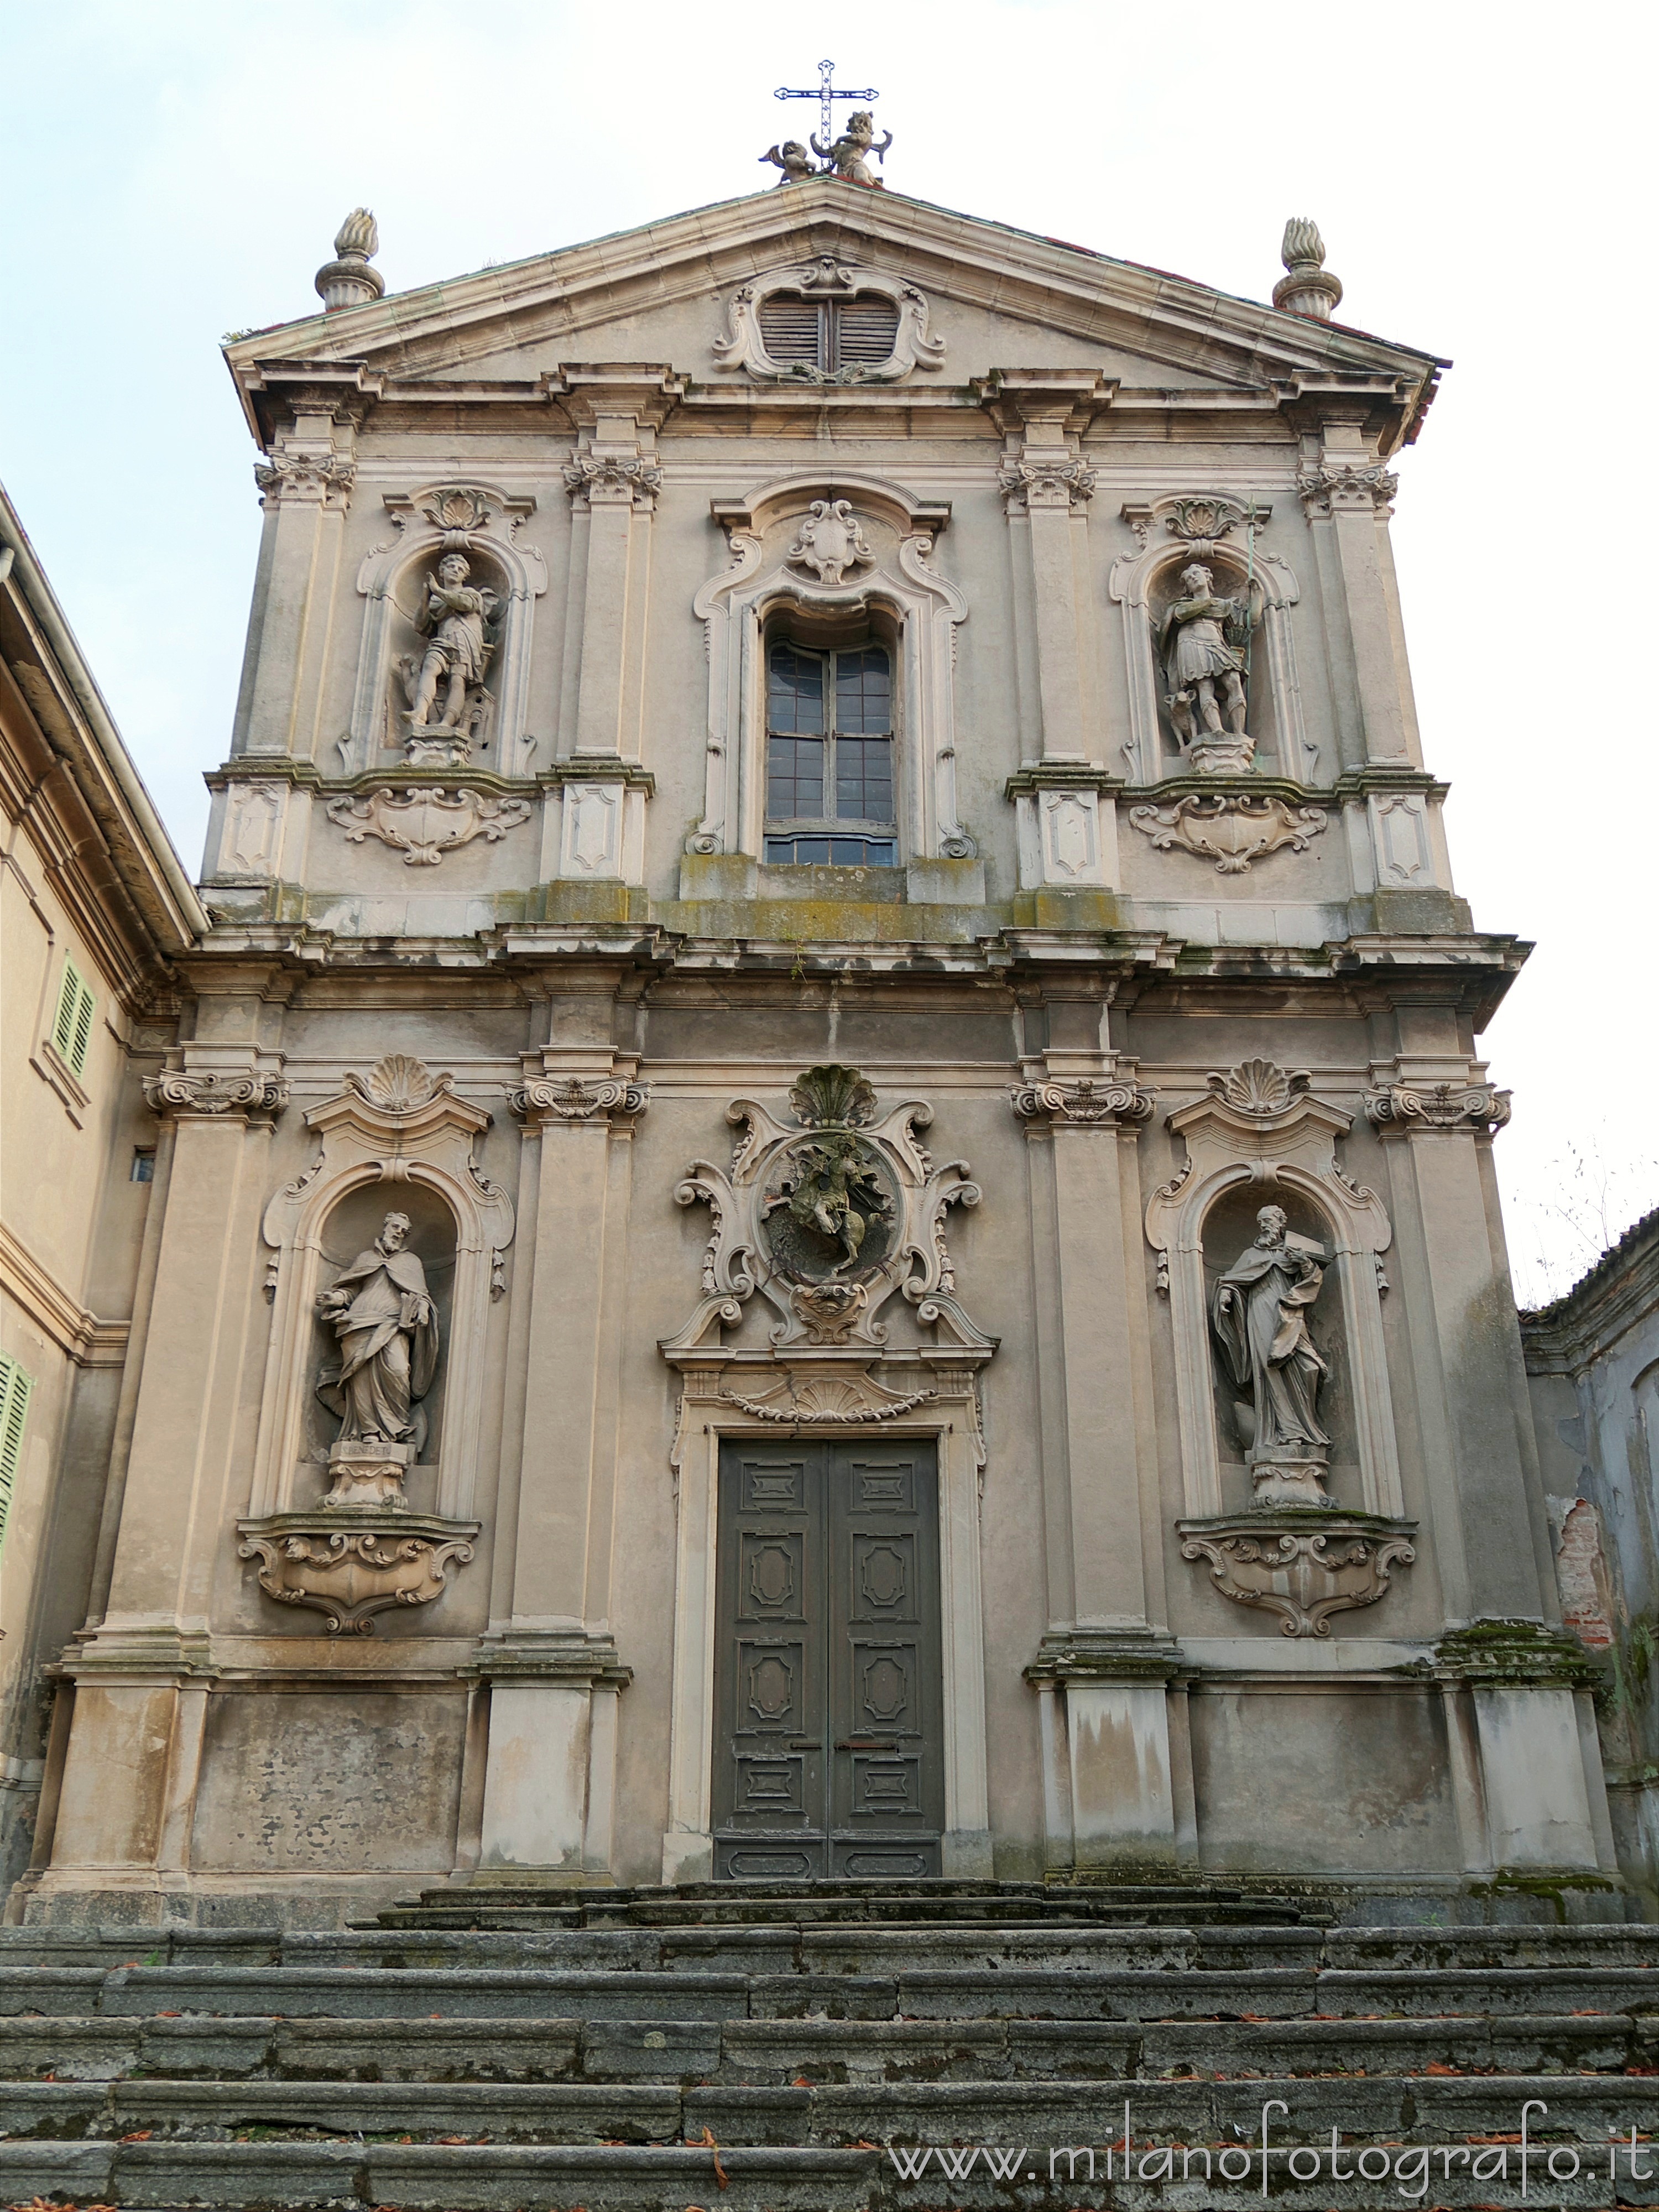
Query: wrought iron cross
826	95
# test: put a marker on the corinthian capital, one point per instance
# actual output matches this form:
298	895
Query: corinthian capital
1346	488
612	481
548	1098
1081	1100
306	479
1401	1106
1057	482
187	1095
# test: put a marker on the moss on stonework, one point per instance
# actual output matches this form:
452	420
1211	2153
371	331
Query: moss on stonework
1522	1653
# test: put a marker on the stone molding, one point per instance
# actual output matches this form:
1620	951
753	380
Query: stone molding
1104	1655
1065	824
1260	1126
740	345
1083	1100
613	480
546	1101
288	478
1400	1108
1347	489
423	821
74	1329
582	1658
1232	828
1515	1654
399	1124
1306	1567
357	1561
189	1094
901	580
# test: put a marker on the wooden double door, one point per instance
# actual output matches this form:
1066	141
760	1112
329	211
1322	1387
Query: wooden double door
829	1737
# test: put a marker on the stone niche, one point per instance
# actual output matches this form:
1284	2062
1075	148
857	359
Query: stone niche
352	1527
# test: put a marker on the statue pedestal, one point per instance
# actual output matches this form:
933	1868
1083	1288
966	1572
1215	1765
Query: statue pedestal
436	744
1226	756
358	1562
368	1475
1304	1566
1285	1475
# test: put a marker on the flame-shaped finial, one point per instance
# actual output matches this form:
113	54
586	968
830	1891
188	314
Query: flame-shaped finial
348	281
1309	288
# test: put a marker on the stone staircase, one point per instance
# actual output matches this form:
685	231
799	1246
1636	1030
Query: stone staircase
822	2047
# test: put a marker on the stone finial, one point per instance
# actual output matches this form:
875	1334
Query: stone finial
1309	288
348	281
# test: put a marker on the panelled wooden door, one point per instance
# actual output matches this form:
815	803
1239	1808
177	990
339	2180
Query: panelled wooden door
828	1747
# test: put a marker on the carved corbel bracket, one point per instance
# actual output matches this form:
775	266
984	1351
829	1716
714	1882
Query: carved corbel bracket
288	478
190	1094
353	1562
1305	1565
612	480
1060	482
1347	489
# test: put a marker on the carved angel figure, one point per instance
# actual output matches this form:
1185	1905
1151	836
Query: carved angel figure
1202	641
829	541
387	1326
846	156
792	157
453	617
1260	1316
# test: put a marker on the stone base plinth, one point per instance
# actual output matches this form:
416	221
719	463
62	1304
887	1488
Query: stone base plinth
1303	1563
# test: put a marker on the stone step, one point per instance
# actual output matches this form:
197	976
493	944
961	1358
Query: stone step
286	2173
817	1947
762	2053
1082	1993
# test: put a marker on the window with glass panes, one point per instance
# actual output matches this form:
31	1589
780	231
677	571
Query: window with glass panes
830	756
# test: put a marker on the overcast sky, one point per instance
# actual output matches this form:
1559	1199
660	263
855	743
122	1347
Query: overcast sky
177	168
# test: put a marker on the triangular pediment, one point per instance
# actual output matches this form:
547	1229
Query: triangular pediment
1001	297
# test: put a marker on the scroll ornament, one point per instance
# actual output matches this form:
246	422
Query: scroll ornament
424	824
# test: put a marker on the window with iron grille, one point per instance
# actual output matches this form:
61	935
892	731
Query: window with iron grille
830	757
827	334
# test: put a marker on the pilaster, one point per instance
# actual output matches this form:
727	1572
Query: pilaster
1348	497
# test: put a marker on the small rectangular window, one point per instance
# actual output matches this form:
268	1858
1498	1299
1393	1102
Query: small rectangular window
14	1388
143	1164
72	1032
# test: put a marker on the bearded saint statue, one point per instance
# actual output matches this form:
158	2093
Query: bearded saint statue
1260	1316
387	1325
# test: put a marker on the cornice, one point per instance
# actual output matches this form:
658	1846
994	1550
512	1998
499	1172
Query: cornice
74	1329
549	298
1619	1292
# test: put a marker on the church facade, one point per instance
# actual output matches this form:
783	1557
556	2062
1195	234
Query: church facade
822	1200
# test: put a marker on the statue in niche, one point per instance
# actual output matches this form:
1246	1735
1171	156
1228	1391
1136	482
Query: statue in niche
1202	639
387	1325
1260	1316
846	157
454	618
793	159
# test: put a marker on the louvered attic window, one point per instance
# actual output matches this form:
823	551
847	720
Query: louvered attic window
829	334
72	1032
14	1388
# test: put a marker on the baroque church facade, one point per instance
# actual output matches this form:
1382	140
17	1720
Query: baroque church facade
822	1193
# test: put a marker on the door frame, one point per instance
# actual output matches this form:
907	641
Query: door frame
711	1411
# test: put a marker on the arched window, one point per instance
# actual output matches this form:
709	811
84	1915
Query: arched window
829	795
829	334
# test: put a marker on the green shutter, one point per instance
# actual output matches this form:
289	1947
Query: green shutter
14	1388
71	1033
